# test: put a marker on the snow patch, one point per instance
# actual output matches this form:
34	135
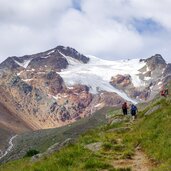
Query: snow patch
55	97
27	80
147	78
24	64
70	88
71	60
18	74
52	51
98	105
159	83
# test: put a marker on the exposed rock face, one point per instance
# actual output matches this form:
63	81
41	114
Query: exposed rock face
156	61
9	63
44	101
124	83
121	81
110	99
54	82
167	71
32	89
55	61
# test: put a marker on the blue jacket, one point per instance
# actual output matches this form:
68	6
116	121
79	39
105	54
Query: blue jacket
133	107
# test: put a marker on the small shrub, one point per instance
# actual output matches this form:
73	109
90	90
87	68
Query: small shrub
107	146
31	153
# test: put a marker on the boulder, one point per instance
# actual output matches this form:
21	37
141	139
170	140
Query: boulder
94	146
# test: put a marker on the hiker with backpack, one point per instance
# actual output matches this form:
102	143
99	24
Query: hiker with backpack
125	108
134	111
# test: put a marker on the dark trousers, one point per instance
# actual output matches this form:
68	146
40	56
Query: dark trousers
125	111
133	112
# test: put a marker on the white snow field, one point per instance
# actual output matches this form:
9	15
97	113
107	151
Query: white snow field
97	74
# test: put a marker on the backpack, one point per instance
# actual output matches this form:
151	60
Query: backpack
124	106
133	107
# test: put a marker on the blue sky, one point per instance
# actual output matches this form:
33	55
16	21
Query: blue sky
148	25
77	4
110	29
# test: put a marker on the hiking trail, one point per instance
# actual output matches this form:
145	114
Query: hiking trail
138	162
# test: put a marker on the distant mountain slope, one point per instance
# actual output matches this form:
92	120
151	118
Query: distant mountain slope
59	86
10	124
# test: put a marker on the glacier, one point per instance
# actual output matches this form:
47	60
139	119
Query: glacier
97	74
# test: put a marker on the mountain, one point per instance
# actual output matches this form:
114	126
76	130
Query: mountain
59	86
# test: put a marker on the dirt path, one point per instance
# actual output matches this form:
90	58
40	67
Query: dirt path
139	162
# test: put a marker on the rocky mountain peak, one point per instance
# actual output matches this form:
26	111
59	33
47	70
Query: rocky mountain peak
68	51
9	63
55	59
156	60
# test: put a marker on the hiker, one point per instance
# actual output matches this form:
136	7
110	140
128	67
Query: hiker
134	111
165	91
125	108
162	93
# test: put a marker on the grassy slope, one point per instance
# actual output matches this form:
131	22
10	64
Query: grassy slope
42	139
152	133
